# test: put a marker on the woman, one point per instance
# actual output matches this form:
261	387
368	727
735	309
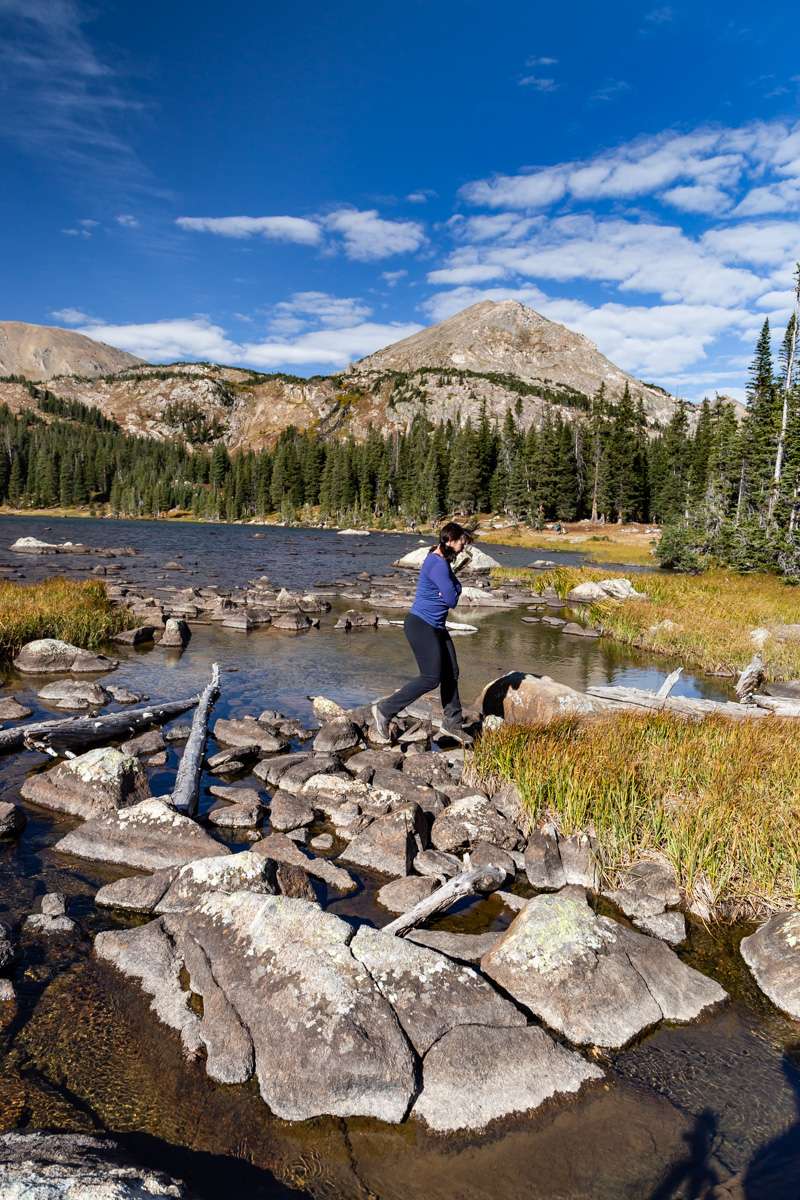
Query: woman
437	591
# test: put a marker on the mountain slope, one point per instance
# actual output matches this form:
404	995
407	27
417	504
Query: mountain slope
499	357
41	352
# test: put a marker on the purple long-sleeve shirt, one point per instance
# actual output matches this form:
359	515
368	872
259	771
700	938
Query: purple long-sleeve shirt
437	591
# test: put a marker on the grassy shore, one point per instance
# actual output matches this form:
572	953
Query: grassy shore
599	543
79	613
704	621
721	800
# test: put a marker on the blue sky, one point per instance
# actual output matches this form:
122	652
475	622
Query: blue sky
291	188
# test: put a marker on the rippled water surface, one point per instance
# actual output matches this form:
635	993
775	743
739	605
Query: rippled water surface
682	1110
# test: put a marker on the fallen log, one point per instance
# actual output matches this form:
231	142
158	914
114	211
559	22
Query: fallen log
781	706
80	733
682	706
467	883
186	793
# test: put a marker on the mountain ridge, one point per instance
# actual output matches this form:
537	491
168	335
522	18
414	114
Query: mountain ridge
493	356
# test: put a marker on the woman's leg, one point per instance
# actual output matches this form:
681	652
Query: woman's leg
424	641
451	701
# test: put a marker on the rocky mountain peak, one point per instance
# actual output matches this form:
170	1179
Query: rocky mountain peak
43	352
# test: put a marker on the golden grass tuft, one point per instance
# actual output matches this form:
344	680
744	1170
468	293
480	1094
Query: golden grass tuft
711	616
720	799
79	613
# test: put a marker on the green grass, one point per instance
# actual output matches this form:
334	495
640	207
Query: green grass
79	613
720	799
709	617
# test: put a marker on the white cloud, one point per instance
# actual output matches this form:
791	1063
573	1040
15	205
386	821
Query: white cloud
199	338
635	255
712	157
127	220
304	308
70	316
540	62
282	229
698	198
367	236
765	243
88	223
81	233
421	196
168	341
328	348
539	83
770	198
610	90
392	278
61	101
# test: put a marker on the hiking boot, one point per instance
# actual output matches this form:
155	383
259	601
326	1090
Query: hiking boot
382	722
457	730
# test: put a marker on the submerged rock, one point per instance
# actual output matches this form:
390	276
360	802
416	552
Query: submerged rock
12	710
100	781
474	1075
49	656
148	835
53	916
590	978
773	955
12	819
282	850
70	1166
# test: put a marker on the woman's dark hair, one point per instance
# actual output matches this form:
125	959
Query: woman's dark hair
451	532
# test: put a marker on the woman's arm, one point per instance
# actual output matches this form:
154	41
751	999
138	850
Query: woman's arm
444	580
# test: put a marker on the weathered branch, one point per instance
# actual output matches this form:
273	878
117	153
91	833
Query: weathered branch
669	683
79	733
467	883
186	793
682	706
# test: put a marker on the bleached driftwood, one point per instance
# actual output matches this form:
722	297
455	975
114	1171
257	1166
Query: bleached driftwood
669	683
682	706
467	883
186	793
781	706
80	733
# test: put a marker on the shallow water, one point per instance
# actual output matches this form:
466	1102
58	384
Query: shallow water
684	1108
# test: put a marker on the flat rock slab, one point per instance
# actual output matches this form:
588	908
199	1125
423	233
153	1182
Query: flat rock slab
236	795
464	947
323	1038
49	656
590	978
402	894
236	816
388	845
174	889
247	732
475	1075
773	955
68	1166
429	992
100	781
282	850
337	736
287	812
149	835
646	889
